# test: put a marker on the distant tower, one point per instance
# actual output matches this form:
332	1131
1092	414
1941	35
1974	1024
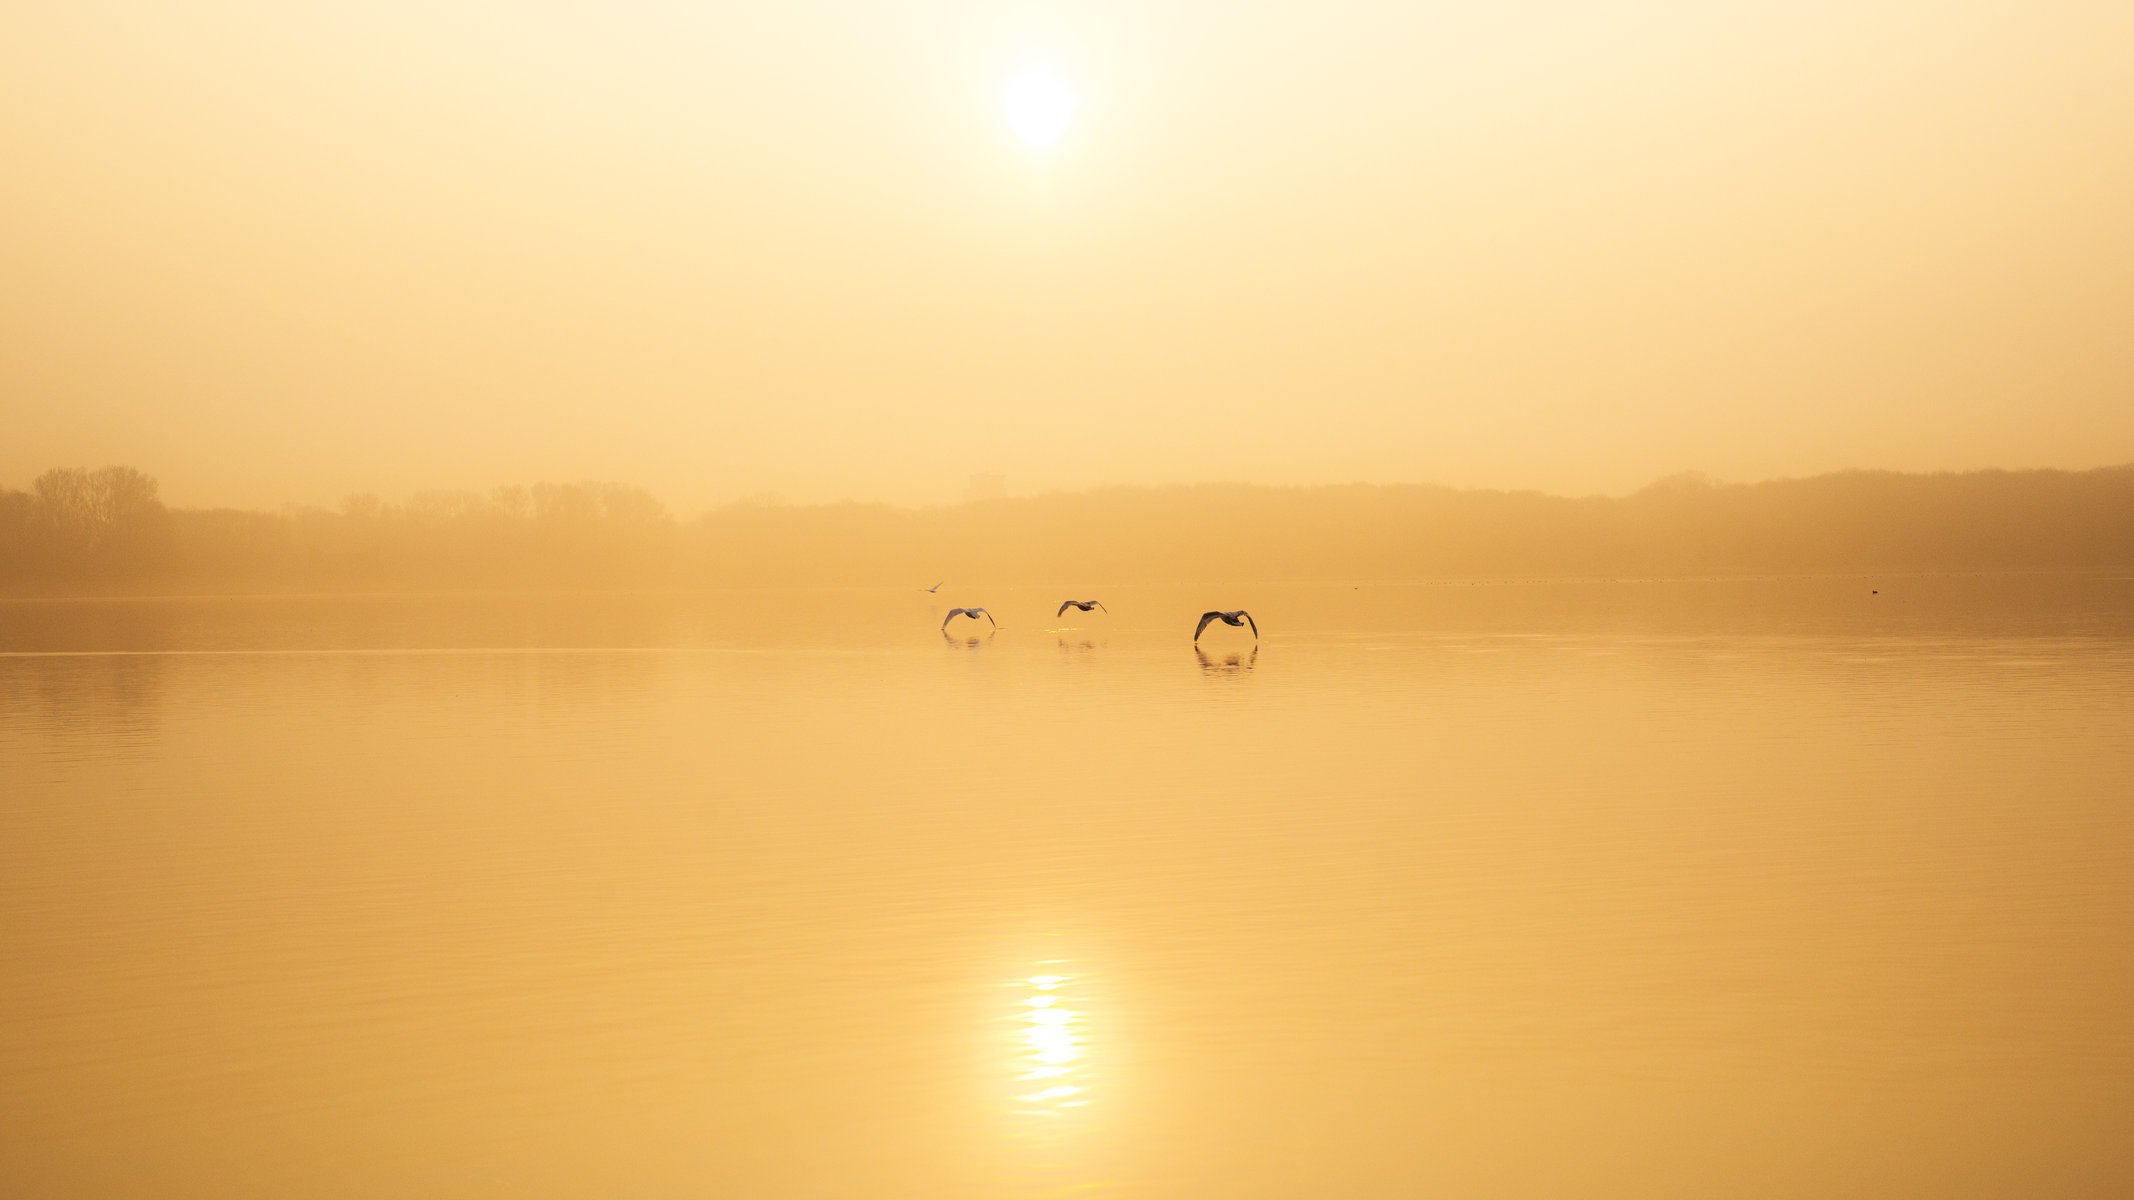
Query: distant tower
986	485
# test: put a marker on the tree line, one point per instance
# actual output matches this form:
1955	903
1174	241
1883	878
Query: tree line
78	531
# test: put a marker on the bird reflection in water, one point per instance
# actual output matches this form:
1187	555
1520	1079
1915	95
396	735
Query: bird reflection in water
1051	1074
966	642
1076	646
1235	663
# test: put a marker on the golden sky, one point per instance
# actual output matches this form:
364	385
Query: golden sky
276	251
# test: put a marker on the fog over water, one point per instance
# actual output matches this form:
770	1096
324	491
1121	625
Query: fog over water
476	716
1755	887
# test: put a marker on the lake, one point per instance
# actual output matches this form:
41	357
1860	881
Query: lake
1745	888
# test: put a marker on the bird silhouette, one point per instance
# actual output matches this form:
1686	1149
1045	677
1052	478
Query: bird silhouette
972	613
936	587
1237	617
1084	605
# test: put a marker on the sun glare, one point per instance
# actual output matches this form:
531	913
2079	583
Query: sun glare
1050	1069
1038	107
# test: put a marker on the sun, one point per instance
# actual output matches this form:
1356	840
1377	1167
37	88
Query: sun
1038	107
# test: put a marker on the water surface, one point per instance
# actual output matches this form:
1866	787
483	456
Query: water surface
1640	888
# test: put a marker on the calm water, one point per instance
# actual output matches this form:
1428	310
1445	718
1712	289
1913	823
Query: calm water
1745	888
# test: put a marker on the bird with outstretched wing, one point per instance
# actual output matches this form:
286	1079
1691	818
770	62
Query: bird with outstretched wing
972	613
1238	617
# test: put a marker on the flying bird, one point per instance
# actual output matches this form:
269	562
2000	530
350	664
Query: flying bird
1240	618
1084	605
936	587
972	613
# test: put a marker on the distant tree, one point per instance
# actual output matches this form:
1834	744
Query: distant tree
66	515
18	517
77	529
102	524
136	527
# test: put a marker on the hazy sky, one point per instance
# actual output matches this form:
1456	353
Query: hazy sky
280	251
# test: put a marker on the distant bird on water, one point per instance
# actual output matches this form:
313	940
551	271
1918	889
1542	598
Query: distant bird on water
972	613
1084	605
1239	617
936	587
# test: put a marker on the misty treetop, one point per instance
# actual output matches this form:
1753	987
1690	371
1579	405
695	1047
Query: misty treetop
75	524
76	531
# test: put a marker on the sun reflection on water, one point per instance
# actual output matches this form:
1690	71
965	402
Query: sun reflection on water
1051	1068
